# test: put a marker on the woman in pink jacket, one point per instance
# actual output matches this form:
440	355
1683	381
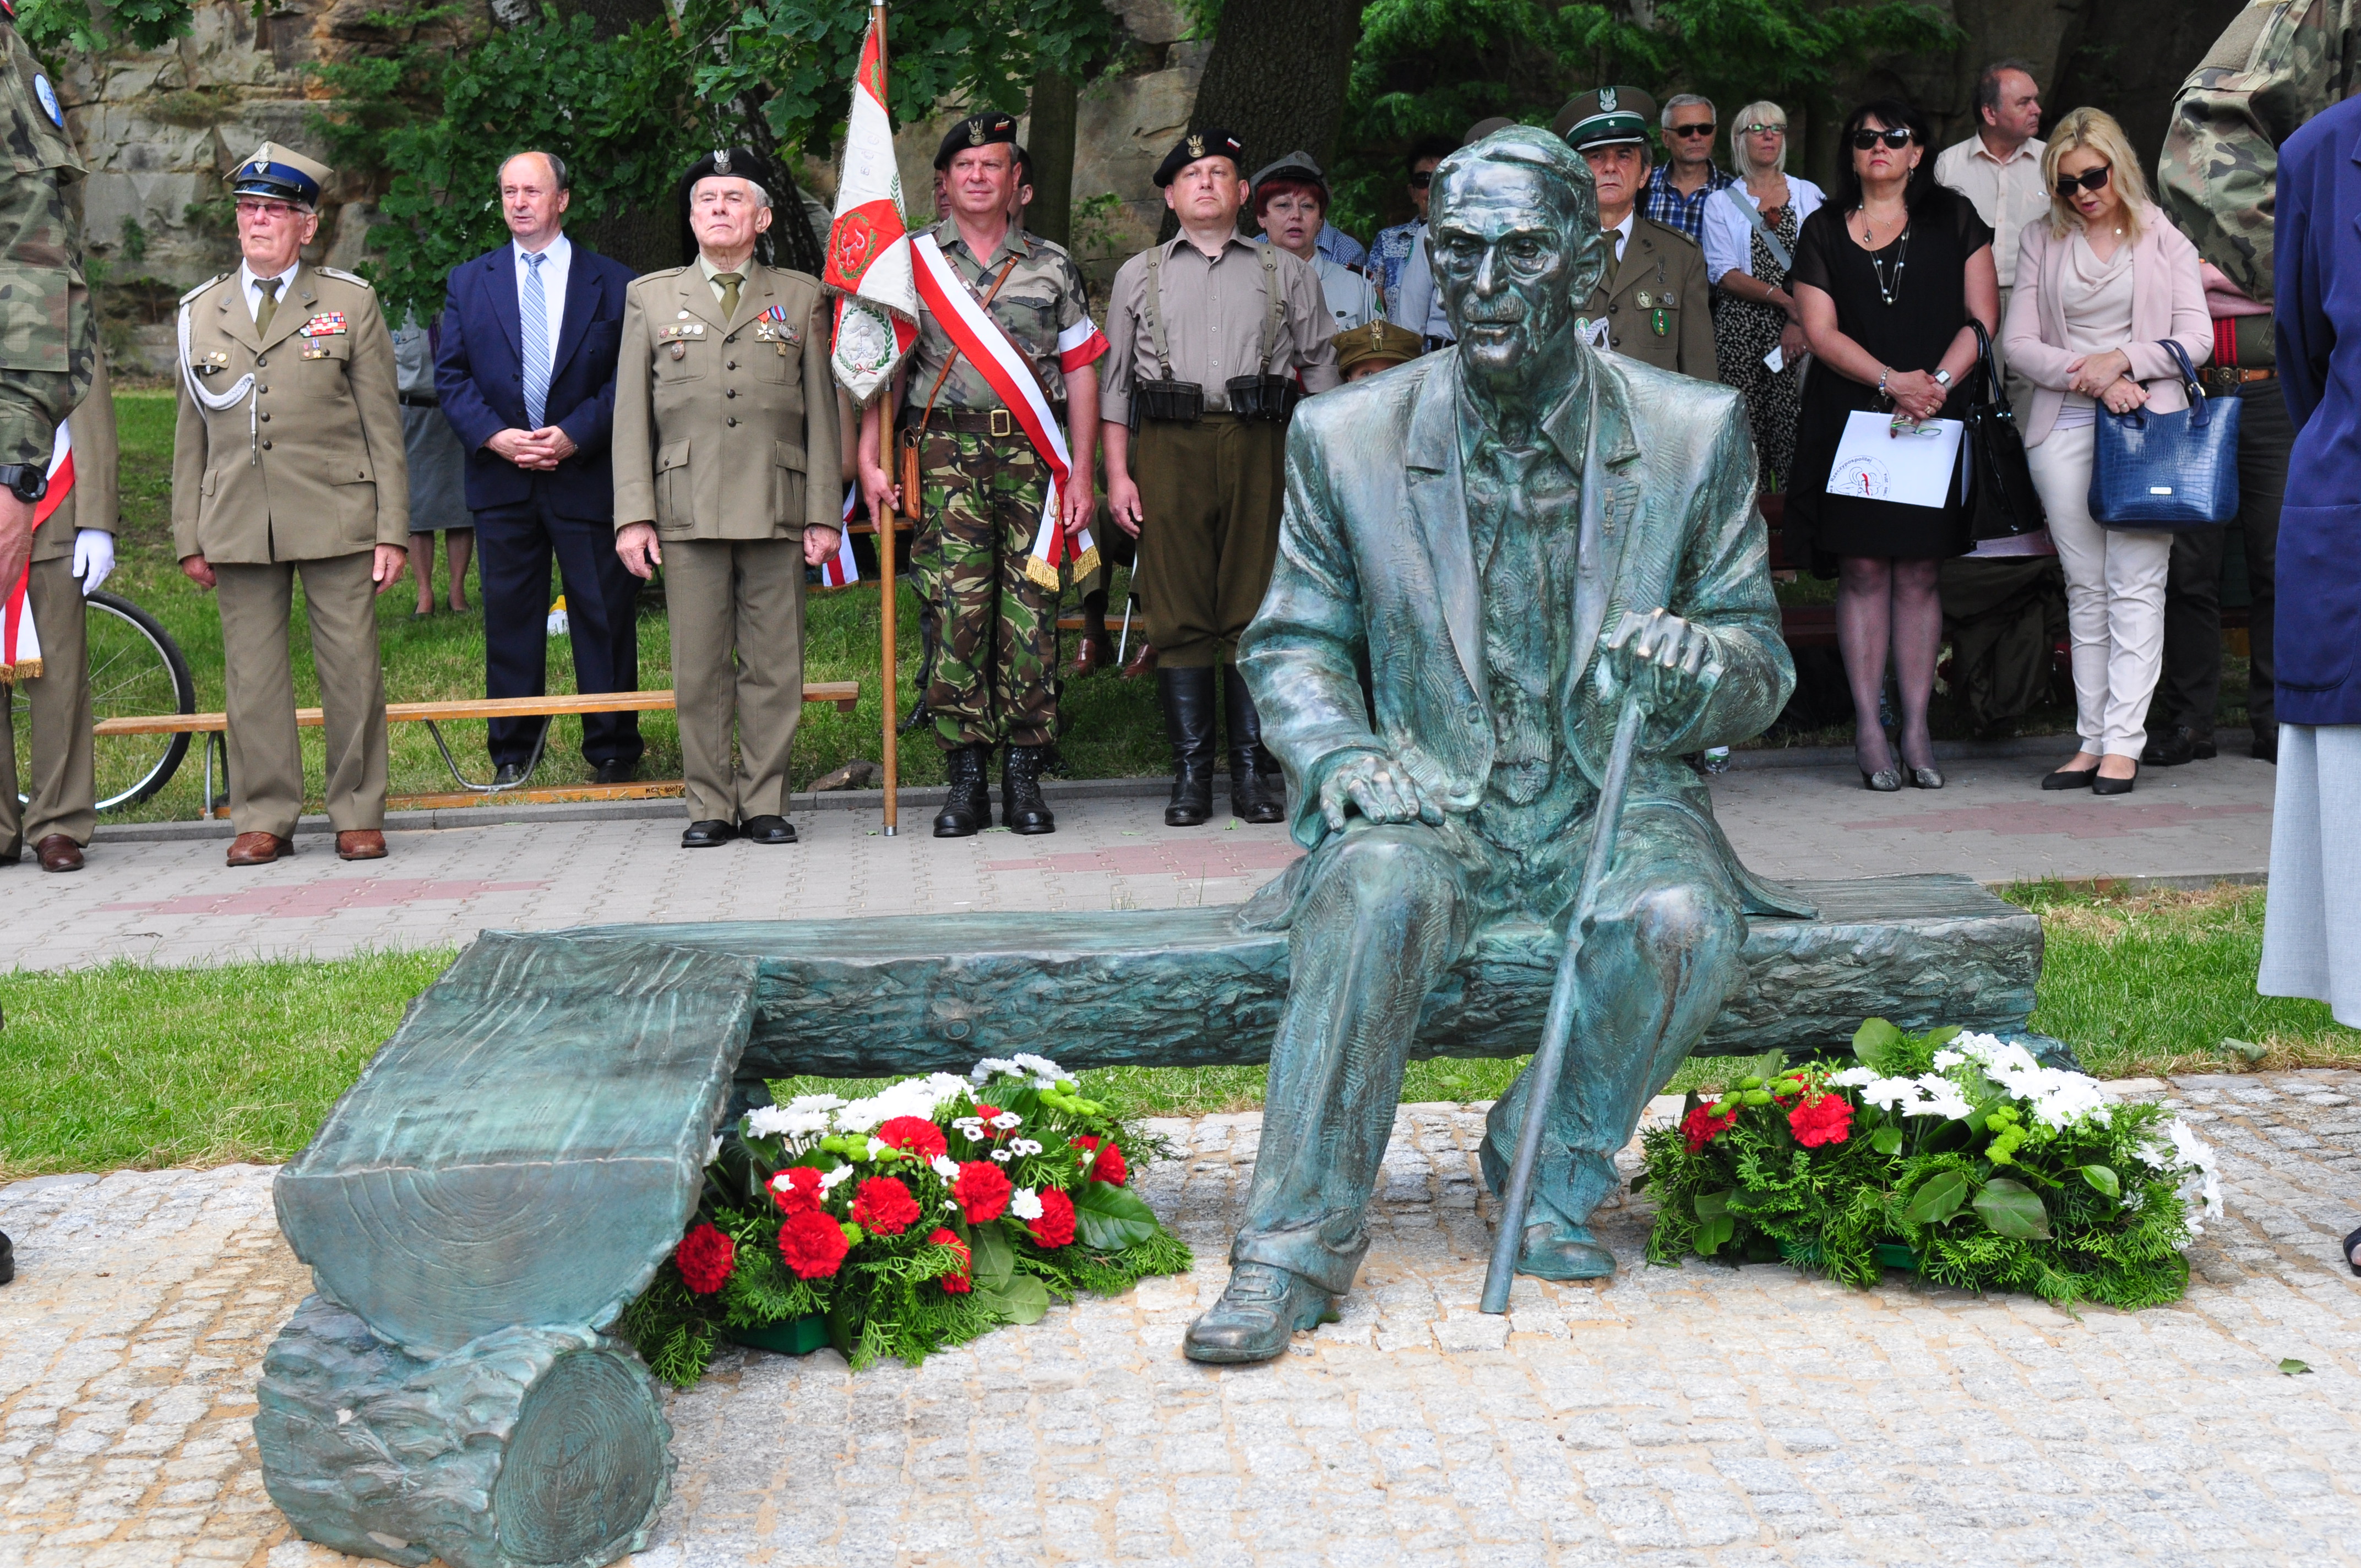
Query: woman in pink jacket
2098	287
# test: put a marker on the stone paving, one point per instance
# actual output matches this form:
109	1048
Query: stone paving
175	902
1704	1417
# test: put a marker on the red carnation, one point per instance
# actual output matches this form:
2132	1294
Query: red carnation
1826	1120
957	1281
797	1190
982	1191
1109	1167
1056	1226
812	1245
986	1112
915	1134
884	1205
706	1257
1701	1126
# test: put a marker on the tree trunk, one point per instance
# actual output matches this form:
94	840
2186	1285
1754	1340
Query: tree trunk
1050	140
642	238
1276	78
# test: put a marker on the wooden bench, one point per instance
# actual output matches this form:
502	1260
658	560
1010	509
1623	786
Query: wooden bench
513	1167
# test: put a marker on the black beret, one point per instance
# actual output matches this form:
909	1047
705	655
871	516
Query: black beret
977	130
1208	143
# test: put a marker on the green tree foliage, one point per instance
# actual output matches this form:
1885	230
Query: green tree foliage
50	26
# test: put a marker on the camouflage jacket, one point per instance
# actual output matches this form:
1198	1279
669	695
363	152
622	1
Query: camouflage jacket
2280	63
1044	306
48	336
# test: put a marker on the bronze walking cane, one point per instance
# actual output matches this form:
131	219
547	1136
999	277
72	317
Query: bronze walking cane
1558	1029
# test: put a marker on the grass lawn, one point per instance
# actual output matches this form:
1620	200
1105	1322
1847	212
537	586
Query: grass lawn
130	1066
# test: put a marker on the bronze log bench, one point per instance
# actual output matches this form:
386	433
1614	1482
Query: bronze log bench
513	1167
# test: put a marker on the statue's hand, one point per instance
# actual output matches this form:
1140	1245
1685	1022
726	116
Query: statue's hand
1676	664
1377	786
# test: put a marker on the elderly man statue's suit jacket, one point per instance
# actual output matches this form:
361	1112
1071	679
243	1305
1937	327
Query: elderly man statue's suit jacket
1399	579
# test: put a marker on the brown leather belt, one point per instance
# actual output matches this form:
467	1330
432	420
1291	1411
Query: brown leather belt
2229	377
993	421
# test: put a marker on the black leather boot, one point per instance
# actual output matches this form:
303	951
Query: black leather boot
1022	809
1188	699
970	805
1252	797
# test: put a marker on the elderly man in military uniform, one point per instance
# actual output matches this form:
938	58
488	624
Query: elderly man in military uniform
288	459
1483	549
1213	339
74	552
726	463
1653	304
981	418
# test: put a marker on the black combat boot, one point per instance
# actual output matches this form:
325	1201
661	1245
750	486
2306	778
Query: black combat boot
968	806
1252	797
1022	809
1188	698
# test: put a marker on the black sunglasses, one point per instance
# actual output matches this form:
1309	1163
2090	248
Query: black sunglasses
2095	180
1704	130
1897	138
1422	180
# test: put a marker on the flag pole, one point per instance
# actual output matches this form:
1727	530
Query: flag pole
888	454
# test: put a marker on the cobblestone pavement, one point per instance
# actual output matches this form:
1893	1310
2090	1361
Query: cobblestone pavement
1703	1416
176	903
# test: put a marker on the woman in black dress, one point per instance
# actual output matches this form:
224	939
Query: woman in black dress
1887	275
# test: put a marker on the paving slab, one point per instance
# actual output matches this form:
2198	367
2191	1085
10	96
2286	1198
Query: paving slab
1703	1417
173	901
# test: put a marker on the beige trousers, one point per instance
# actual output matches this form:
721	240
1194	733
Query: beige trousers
736	607
62	780
2114	598
266	758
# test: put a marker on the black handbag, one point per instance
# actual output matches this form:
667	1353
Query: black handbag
2002	502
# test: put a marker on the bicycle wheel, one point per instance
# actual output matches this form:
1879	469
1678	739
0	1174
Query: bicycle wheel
136	670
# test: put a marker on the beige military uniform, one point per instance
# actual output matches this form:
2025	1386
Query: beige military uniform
61	782
725	439
1656	304
305	474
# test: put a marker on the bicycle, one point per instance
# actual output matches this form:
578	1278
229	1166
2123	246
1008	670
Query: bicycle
135	671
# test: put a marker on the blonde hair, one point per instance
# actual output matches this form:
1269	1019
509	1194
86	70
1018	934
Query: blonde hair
2097	131
1761	111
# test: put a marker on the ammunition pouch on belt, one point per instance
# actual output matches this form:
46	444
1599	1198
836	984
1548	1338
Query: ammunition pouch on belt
1166	399
1271	398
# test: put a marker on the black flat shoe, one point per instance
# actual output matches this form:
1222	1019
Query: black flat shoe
2071	778
2101	785
1885	781
709	834
2350	1242
9	1258
615	773
1926	778
767	830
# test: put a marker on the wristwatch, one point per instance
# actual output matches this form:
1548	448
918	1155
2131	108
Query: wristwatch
29	481
1942	378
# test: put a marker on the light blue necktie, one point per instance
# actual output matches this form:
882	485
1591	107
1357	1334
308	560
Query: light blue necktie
533	308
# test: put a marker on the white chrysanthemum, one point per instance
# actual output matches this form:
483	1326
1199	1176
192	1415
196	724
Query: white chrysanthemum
1947	1058
916	1097
1002	1155
816	1103
1943	1099
1046	1074
786	1122
971	1127
830	1180
1853	1076
993	1067
713	1151
1008	1121
945	1168
1025	1204
1023	1147
2204	1183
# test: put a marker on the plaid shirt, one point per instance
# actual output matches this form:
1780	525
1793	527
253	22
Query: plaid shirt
1661	204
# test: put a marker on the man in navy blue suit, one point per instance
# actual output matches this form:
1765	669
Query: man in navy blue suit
526	373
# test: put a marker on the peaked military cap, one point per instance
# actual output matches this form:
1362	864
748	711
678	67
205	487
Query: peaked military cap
1294	166
282	174
1609	117
977	130
1379	342
1485	127
1196	144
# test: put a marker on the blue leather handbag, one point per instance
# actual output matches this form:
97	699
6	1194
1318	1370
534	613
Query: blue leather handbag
2168	471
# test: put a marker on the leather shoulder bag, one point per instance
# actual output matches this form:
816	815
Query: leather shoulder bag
2168	471
2003	502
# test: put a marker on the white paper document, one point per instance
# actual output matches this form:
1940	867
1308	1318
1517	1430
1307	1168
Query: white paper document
1913	468
1776	360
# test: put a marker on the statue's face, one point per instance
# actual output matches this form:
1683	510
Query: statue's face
1517	250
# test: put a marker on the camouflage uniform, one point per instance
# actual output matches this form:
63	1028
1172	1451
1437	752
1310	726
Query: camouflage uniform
48	339
981	493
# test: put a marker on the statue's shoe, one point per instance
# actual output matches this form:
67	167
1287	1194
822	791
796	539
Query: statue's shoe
1260	1312
1558	1251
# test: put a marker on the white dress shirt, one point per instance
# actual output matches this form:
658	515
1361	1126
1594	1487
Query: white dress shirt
1730	239
559	256
253	287
2006	194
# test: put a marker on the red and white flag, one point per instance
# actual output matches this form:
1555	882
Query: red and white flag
840	570
20	643
869	243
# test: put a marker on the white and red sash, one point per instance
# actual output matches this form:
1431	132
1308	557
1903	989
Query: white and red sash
20	643
840	570
999	362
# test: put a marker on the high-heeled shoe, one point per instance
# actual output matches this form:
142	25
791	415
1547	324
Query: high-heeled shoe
1885	781
2101	784
1926	778
2070	778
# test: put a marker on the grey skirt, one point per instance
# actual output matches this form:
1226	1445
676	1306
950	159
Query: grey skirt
438	472
2312	923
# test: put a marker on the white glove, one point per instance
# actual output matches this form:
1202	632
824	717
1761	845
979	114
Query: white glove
93	558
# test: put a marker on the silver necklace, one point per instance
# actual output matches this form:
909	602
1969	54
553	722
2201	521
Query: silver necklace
1888	288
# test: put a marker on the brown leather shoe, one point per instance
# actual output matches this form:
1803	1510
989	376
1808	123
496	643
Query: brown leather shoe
1096	652
58	853
1141	663
360	844
259	849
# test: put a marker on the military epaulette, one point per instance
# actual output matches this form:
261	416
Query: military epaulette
203	287
341	276
660	272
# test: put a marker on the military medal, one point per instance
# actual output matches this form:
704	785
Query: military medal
1642	299
679	350
1662	322
328	323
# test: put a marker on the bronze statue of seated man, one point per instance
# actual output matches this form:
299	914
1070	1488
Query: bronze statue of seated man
1488	542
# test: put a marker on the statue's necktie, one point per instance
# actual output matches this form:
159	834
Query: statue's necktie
269	308
532	312
729	281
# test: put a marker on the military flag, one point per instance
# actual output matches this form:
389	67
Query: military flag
869	243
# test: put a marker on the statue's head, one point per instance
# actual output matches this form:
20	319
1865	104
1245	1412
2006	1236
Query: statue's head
1517	250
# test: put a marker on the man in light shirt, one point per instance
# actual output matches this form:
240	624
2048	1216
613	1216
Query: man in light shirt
1998	170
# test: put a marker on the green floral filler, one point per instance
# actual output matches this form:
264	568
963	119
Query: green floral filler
919	1217
1955	1153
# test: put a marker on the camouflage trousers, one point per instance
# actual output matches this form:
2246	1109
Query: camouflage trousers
982	496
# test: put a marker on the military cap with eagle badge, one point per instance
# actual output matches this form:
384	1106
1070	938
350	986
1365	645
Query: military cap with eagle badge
283	175
976	130
1196	144
1608	117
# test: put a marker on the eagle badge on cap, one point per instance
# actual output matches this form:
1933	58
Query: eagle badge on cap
975	133
1607	100
720	160
1196	146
